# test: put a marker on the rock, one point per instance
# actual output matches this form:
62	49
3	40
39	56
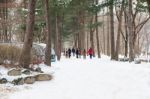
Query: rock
3	81
124	59
137	61
14	72
43	77
38	69
121	59
26	71
29	80
18	81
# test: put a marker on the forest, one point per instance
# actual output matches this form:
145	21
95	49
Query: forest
110	27
75	49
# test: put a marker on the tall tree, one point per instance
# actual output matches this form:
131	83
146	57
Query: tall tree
48	42
130	28
119	17
108	31
112	29
25	57
97	33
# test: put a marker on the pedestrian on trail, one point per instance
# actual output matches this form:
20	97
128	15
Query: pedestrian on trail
80	53
84	54
77	53
66	53
73	51
69	52
90	52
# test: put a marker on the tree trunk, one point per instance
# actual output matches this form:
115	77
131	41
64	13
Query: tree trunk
104	46
112	30
79	29
48	42
130	28
24	19
58	36
88	36
119	30
82	32
75	40
108	33
126	36
5	17
97	34
118	40
25	58
92	36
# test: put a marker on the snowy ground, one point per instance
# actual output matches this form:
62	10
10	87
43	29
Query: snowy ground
89	79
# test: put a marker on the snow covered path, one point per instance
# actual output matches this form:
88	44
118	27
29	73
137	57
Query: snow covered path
92	79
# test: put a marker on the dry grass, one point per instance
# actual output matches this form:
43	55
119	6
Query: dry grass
9	54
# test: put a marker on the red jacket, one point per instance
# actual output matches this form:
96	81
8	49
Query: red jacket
90	51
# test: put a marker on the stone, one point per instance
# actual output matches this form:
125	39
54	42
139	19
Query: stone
126	59
26	71
18	81
43	77
29	80
3	81
123	59
138	61
38	69
14	72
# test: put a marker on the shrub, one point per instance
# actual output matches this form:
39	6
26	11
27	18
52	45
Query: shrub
9	54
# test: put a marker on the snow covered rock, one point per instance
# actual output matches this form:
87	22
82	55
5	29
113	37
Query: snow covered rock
18	81
3	81
29	80
137	61
26	71
43	77
38	69
14	72
124	59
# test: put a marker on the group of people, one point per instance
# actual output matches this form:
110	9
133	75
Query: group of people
78	53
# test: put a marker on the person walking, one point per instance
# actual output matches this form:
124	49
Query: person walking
84	54
73	51
69	52
77	53
90	52
66	53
